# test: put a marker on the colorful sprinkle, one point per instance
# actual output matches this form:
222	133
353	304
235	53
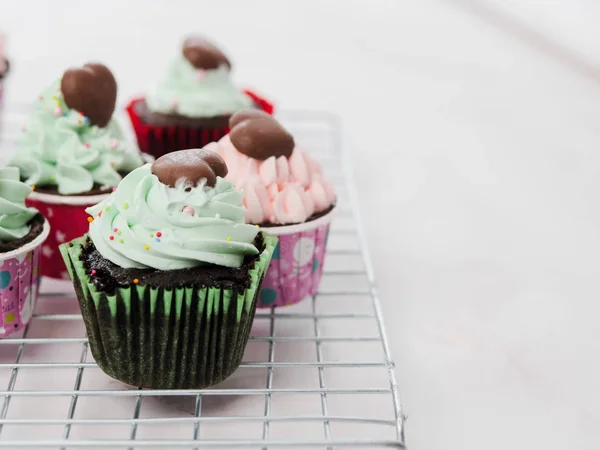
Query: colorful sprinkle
90	219
188	210
151	235
100	213
125	205
94	272
54	97
33	187
257	226
115	229
57	111
228	239
79	122
114	189
41	97
119	233
121	241
158	234
112	238
107	208
136	281
87	145
114	144
157	239
147	247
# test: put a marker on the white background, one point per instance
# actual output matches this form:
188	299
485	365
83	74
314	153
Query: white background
476	135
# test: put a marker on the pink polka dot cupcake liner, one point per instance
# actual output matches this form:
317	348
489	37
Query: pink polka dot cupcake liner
68	220
19	278
296	267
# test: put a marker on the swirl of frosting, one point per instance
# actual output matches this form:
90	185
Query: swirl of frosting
278	190
147	224
14	215
191	92
59	147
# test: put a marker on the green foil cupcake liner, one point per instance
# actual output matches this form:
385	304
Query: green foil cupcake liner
184	338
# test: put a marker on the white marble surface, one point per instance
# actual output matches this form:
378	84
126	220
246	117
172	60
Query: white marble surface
478	159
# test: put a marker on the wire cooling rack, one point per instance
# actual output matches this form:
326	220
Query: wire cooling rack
315	375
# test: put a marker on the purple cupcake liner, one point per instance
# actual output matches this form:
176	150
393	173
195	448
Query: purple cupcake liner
19	278
296	267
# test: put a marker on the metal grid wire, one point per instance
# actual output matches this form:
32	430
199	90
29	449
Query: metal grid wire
315	375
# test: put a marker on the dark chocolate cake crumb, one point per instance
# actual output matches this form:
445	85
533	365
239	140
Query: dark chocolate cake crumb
108	276
37	225
165	120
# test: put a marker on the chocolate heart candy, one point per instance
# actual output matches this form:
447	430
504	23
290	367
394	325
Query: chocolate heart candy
91	90
203	54
190	166
259	136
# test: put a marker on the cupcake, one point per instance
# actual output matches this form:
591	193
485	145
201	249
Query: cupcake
191	106
285	193
22	232
73	153
168	276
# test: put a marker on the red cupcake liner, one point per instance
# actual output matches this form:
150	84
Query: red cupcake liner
158	140
68	220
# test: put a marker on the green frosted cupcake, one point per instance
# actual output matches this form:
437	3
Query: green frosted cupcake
167	277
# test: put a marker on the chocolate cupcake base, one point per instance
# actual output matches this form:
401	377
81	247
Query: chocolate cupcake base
153	337
158	134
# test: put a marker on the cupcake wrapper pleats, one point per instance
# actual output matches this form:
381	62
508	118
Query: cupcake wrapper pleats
185	338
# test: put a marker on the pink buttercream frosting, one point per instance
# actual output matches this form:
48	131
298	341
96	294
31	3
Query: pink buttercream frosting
277	191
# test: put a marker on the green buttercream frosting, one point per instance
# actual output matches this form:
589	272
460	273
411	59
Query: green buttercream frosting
147	224
14	215
186	91
59	147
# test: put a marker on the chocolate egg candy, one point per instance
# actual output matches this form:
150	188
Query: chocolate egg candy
259	136
91	90
203	54
214	160
189	167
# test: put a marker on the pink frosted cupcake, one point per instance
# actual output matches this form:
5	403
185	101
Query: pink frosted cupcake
286	193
